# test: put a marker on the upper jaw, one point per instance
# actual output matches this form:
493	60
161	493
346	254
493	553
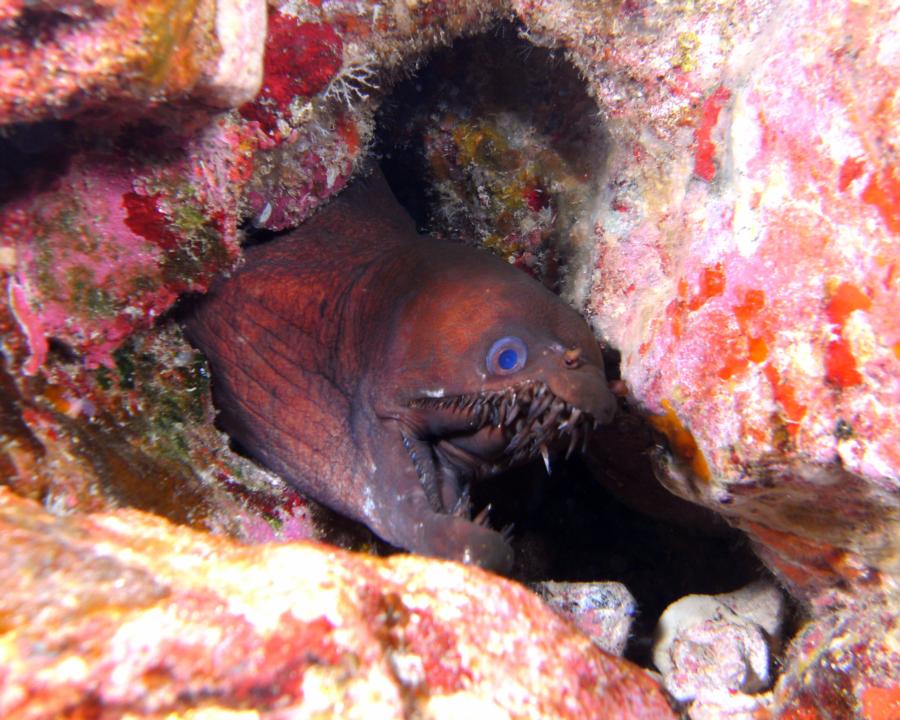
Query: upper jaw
492	429
587	389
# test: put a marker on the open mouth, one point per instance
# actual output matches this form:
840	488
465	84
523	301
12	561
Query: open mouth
488	432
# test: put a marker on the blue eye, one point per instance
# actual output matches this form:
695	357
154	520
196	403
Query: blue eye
506	356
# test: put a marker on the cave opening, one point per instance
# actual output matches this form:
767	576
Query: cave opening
496	142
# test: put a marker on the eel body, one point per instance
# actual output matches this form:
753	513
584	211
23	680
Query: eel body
380	371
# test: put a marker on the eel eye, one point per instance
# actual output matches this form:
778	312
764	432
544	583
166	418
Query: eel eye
506	356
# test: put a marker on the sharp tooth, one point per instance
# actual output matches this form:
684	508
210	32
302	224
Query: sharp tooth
512	412
574	415
548	400
546	455
482	517
517	440
538	406
461	508
555	411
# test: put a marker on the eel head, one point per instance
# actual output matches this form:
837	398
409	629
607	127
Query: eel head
485	372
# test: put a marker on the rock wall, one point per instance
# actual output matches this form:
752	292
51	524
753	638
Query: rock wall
142	618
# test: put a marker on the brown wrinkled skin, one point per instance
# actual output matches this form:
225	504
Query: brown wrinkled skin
321	341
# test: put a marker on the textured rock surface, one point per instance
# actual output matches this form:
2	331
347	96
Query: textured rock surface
602	611
845	664
746	269
707	645
730	705
746	261
123	613
106	248
62	58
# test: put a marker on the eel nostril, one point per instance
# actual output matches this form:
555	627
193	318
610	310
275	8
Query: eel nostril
572	357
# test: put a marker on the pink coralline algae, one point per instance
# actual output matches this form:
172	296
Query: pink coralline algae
61	59
746	268
105	250
58	262
709	645
843	665
140	617
753	298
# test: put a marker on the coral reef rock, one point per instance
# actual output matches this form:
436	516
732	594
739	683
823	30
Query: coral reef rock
125	614
63	58
844	664
709	644
601	610
746	260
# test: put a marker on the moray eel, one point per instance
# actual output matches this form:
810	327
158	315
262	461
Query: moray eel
380	371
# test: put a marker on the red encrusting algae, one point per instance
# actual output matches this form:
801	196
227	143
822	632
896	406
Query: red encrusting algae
143	217
840	364
711	284
301	59
705	151
846	299
883	191
850	171
785	395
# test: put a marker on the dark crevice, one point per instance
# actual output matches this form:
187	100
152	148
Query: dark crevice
495	142
34	157
570	527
